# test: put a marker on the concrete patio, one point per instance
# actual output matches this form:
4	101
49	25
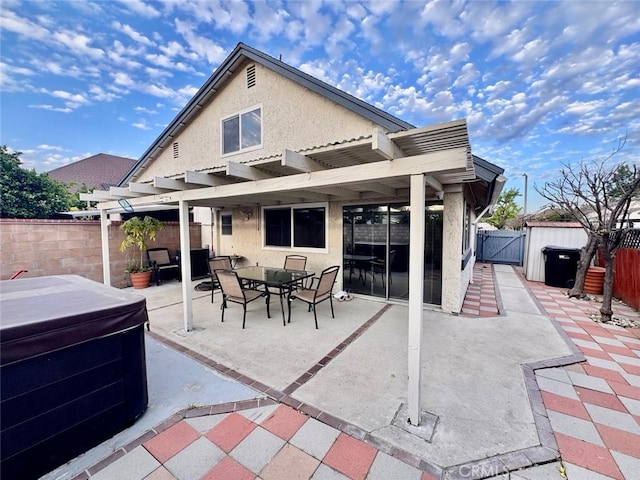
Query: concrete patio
485	416
473	377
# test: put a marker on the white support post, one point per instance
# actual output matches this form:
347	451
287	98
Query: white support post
185	265
104	237
416	289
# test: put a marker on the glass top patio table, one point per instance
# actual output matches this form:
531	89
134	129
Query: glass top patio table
275	277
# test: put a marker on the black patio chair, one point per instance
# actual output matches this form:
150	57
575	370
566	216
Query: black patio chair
163	265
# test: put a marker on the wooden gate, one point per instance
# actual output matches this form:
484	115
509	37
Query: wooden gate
500	246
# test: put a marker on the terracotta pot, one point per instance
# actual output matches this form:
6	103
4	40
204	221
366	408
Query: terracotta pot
141	279
594	280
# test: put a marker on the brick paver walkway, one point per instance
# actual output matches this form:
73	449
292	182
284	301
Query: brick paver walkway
271	442
593	407
480	300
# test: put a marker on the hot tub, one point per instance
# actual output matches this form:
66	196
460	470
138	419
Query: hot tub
72	369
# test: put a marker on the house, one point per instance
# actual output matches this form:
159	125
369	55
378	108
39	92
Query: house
99	171
286	163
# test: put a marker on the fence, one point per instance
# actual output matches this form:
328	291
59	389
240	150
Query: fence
500	246
626	281
58	247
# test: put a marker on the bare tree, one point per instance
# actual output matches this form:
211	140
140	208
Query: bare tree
598	195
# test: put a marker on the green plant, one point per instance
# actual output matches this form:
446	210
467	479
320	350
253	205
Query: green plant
138	232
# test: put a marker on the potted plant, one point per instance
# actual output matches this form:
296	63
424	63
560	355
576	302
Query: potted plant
138	231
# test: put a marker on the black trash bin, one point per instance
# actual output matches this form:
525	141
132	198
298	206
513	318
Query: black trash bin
560	266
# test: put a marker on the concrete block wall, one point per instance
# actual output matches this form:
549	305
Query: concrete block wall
60	247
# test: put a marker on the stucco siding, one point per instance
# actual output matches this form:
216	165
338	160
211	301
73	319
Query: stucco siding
452	281
293	117
248	241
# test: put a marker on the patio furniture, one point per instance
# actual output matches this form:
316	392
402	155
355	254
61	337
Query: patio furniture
380	266
162	264
295	262
232	291
313	296
274	277
361	262
221	262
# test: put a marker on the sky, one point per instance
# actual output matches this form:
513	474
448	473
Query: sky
541	84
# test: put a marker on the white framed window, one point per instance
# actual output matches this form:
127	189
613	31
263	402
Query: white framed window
297	227
241	131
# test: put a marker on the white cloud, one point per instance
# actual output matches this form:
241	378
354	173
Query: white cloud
11	22
100	95
204	47
131	33
52	108
78	44
141	8
72	100
146	110
141	125
44	146
123	79
269	22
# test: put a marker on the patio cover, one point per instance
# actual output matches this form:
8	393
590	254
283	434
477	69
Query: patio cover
403	164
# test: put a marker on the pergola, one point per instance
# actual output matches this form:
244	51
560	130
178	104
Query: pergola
433	160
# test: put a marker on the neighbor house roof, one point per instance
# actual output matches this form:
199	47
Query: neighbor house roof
98	171
240	54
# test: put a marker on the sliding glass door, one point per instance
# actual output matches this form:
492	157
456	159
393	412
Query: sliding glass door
376	250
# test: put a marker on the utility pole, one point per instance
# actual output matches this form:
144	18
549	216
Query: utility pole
526	178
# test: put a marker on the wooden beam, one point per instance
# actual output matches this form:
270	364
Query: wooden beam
242	170
123	192
300	162
306	195
200	178
146	189
380	188
434	183
384	145
340	192
429	163
171	184
97	196
436	163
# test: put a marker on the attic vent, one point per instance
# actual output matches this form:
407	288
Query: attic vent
176	150
251	76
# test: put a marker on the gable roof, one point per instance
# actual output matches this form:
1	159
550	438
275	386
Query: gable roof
241	53
98	171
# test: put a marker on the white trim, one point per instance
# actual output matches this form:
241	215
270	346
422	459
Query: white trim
291	247
239	115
